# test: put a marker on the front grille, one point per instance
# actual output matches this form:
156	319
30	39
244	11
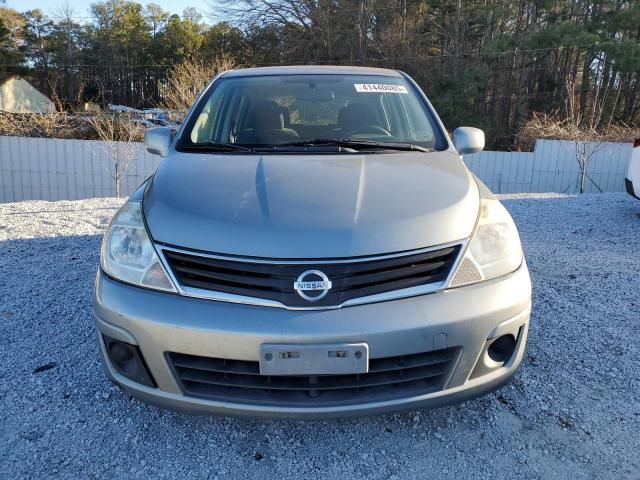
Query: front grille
275	281
240	381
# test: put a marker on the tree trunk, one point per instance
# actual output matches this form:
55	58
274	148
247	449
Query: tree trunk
117	175
584	89
522	110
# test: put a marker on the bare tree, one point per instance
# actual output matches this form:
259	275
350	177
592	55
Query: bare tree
277	12
118	134
586	147
35	124
310	30
188	79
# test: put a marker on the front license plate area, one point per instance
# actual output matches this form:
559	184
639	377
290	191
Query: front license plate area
326	359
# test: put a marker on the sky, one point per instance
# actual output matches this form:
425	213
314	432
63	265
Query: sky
81	7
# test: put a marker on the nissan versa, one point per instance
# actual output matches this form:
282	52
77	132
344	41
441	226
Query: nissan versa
311	245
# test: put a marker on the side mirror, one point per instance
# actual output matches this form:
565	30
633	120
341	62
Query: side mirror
468	140
158	140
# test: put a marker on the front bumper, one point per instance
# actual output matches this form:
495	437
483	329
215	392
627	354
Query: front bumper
465	317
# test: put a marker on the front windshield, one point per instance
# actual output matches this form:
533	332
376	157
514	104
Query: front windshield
276	112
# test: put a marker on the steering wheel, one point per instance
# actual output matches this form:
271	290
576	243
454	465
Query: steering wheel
368	129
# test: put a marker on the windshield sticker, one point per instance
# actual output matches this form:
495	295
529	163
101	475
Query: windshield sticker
379	88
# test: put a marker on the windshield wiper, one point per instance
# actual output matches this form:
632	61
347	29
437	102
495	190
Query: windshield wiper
217	147
356	144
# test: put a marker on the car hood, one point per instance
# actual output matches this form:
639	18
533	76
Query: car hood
311	206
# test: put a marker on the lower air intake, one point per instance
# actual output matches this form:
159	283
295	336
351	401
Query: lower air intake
239	381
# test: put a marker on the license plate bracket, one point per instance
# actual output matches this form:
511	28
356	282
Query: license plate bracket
316	359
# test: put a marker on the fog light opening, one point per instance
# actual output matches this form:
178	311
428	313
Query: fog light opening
502	348
128	361
120	353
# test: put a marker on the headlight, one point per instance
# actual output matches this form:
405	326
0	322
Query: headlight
127	253
494	249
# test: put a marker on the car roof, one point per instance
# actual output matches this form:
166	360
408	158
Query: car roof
312	70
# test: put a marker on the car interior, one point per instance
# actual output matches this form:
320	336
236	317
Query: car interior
268	122
304	112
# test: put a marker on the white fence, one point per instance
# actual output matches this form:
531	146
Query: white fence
552	167
50	169
53	169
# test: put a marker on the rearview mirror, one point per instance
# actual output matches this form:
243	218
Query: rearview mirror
468	140
316	96
158	140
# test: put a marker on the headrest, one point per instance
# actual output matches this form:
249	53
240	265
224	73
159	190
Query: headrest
356	115
265	115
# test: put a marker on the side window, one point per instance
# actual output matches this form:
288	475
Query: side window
399	122
393	121
237	109
203	127
418	125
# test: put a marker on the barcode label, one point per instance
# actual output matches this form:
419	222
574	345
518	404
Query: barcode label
379	88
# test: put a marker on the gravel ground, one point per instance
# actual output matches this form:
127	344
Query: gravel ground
572	411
